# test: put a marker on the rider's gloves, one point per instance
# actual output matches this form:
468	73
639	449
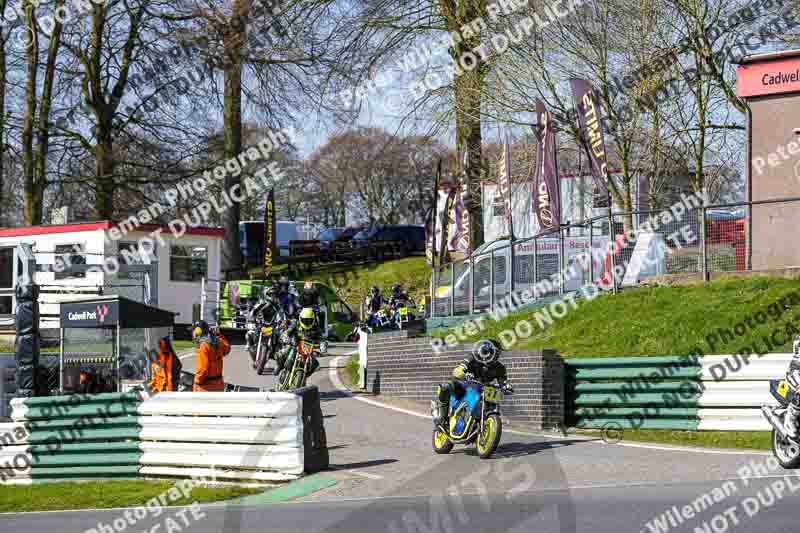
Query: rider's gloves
508	389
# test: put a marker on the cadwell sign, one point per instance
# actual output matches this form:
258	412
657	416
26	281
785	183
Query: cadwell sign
90	314
769	77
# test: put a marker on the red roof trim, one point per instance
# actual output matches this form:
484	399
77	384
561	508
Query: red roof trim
209	232
49	230
103	225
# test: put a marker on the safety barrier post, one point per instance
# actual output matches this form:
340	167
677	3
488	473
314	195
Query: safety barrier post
491	280
471	285
535	269
202	298
591	255
613	251
561	260
452	289
703	247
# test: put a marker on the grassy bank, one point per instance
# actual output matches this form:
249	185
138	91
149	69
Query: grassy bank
659	320
352	282
750	440
104	495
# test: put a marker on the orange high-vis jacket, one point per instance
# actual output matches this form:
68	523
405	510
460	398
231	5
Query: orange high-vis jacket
208	374
162	373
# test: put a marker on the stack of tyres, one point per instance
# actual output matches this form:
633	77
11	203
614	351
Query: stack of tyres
27	344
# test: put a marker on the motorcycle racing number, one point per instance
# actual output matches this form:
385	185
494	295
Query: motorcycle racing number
266	331
381	313
403	311
492	394
783	388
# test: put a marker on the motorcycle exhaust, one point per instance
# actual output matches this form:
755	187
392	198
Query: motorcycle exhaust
766	410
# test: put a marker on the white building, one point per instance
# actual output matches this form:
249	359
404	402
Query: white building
181	263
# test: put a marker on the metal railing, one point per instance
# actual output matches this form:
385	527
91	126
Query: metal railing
686	238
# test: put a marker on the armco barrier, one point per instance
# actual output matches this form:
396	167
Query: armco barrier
402	364
15	454
81	436
718	392
255	436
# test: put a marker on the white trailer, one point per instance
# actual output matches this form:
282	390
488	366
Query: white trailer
180	264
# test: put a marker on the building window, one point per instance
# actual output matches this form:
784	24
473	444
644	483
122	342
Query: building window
498	206
128	253
66	256
6	268
188	263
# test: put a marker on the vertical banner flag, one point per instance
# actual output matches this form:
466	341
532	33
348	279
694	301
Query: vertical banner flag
269	231
546	202
444	224
463	207
430	225
504	185
590	126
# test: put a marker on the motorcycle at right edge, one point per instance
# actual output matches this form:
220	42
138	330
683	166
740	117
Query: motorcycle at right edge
785	448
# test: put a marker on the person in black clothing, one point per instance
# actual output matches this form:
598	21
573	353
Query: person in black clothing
309	296
398	297
482	365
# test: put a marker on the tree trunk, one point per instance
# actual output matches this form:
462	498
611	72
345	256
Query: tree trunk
232	113
104	180
33	198
47	97
468	92
3	218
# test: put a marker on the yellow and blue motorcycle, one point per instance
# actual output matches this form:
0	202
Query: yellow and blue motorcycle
474	418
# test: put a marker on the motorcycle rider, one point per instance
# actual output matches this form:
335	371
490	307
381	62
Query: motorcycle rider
305	328
483	365
287	298
793	377
398	297
309	296
374	304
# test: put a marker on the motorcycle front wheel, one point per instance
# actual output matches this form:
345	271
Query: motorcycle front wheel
786	451
298	381
489	438
441	442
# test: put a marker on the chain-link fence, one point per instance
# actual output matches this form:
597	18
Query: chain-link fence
685	238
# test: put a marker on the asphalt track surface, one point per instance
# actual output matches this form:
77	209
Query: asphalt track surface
390	480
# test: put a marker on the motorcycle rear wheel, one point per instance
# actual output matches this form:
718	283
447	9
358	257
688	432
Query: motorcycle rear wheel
786	451
441	442
489	438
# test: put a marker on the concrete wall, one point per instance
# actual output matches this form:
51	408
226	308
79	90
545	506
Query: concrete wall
775	176
404	365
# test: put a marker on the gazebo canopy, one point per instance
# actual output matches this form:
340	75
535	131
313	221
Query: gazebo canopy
112	311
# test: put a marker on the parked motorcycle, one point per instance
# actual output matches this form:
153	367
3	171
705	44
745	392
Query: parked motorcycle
785	448
474	418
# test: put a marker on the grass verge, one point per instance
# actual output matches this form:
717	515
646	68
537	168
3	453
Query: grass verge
658	321
751	440
351	371
105	494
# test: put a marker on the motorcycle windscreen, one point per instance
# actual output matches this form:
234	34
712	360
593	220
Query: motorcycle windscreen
782	391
